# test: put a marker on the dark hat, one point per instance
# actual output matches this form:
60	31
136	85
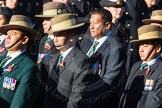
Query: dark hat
111	3
50	9
148	32
20	22
64	22
6	11
156	17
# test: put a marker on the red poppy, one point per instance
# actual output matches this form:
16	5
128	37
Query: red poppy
147	71
62	63
10	68
47	46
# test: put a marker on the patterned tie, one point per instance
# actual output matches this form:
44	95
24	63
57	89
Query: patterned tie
4	61
143	66
92	49
60	60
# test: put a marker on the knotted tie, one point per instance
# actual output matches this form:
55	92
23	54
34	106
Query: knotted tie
60	60
4	61
92	49
143	66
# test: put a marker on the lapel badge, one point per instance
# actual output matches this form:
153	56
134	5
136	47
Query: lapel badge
59	11
149	85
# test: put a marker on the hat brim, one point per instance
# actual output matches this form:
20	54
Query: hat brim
148	21
5	28
138	41
65	28
45	16
106	3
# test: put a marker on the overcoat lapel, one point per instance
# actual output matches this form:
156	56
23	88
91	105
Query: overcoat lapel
132	74
153	69
68	59
103	46
15	62
52	69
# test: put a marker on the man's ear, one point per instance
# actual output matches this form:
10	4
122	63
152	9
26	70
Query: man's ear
108	25
158	48
25	39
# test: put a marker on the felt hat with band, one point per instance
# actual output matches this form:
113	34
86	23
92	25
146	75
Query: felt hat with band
64	22
20	22
156	17
148	32
50	9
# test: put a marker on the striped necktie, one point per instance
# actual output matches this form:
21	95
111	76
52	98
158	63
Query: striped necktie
92	49
4	61
60	60
143	66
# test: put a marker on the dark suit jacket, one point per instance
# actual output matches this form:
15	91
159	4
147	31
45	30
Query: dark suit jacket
145	99
65	90
25	72
110	60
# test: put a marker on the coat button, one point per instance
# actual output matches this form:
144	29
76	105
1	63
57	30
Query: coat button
131	49
128	25
131	37
126	13
125	1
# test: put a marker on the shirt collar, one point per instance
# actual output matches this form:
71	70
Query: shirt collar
64	54
152	61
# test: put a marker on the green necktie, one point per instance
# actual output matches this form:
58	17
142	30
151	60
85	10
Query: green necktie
60	60
92	49
4	61
143	66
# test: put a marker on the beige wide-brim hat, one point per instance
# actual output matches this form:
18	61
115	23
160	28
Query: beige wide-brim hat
50	9
64	22
156	17
148	32
20	22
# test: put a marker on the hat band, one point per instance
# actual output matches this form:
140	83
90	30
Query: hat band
156	17
54	12
150	35
64	24
22	23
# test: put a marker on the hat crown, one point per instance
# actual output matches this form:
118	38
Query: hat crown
156	15
61	18
51	9
53	5
149	32
21	20
64	22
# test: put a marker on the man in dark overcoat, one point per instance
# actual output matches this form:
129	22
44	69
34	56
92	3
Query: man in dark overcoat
143	88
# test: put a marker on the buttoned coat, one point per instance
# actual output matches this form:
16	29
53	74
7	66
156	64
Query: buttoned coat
25	72
110	62
65	88
143	98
